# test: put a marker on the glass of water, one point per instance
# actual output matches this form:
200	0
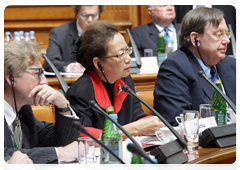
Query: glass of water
191	129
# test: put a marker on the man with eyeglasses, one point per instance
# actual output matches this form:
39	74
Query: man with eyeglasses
146	36
63	39
203	38
26	85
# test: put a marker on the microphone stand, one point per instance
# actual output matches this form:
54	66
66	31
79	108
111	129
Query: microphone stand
77	126
169	153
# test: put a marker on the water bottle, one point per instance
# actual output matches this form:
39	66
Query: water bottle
27	38
32	36
110	138
22	38
7	38
16	36
160	50
169	48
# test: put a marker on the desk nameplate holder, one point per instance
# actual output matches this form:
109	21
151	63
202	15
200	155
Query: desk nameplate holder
219	136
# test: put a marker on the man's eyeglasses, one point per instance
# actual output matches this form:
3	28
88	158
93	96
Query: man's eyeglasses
123	54
220	35
86	16
37	74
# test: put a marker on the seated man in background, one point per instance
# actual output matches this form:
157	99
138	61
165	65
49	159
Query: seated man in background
25	85
178	86
146	36
63	39
19	158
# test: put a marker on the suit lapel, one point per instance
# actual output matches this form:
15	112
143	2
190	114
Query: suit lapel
73	34
8	141
153	33
208	90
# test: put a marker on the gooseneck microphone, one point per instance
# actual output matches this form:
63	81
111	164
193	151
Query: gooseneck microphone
77	126
231	104
128	90
93	105
64	85
132	148
169	153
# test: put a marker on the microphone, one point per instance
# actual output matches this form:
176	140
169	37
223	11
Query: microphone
231	104
64	85
132	148
93	105
172	151
135	65
77	126
128	90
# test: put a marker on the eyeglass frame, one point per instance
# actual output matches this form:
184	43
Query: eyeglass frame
40	72
86	16
127	51
227	33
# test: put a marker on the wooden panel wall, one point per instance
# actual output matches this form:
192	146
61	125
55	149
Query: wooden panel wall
42	18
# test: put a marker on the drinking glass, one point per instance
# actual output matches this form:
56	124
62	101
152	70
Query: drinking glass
191	129
205	111
148	52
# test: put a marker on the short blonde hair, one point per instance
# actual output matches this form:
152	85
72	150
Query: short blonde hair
18	55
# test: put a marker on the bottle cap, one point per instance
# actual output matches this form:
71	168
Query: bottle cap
32	32
149	164
160	35
26	33
110	109
114	116
218	81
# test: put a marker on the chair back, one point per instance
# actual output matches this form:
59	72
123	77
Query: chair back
44	113
147	96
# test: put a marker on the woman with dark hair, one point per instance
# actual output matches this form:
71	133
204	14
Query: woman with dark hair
105	55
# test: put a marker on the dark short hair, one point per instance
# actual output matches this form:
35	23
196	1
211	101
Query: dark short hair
77	7
197	20
94	42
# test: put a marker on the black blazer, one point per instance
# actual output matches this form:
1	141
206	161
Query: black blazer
82	90
178	86
230	16
62	42
146	37
40	138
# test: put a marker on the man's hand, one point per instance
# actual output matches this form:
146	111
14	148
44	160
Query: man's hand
19	158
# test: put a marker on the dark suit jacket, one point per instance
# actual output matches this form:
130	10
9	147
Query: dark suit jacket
40	138
178	86
62	42
229	16
146	37
82	90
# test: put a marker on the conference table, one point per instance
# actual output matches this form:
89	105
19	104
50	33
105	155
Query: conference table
207	159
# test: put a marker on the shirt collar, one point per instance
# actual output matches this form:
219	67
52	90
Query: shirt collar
161	28
9	113
205	68
79	29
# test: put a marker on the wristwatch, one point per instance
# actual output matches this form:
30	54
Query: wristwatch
65	109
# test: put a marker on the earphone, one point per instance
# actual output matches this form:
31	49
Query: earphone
100	67
196	42
12	81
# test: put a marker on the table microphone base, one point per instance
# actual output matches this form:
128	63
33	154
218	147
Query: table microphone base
170	153
219	136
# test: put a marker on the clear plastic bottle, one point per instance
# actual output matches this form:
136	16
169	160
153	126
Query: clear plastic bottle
169	48
27	38
32	36
16	36
160	50
21	35
7	38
